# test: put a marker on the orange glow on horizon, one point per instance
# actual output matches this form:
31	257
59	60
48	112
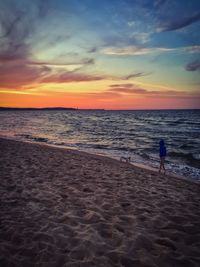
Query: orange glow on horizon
95	101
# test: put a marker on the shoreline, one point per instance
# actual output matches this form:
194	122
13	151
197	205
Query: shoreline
134	164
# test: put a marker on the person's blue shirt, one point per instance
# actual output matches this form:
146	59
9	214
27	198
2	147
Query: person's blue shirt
163	150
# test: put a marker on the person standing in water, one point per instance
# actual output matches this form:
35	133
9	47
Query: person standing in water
163	153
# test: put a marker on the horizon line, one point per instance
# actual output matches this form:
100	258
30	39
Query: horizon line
100	109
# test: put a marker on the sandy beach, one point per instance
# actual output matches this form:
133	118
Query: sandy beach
67	208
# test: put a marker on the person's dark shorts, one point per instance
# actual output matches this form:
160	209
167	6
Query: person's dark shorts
162	159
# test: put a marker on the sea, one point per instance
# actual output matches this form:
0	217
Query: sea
114	133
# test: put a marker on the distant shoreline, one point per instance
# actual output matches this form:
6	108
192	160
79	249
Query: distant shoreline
55	108
87	109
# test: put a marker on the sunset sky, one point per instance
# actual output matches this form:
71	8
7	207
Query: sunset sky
112	54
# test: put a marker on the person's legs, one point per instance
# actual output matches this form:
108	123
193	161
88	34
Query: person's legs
162	166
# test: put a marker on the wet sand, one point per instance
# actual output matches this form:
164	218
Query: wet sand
62	207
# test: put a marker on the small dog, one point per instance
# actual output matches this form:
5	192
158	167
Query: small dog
126	157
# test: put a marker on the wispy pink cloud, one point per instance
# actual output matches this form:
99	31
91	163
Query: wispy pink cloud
132	89
128	89
66	77
17	76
